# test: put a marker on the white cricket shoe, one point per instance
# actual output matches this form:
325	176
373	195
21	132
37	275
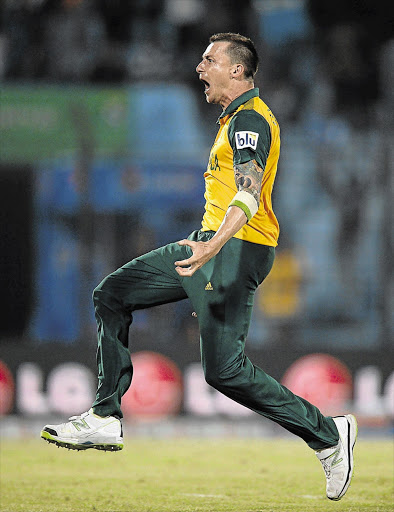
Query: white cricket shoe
337	461
86	431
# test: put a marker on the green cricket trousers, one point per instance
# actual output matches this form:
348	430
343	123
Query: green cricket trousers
221	293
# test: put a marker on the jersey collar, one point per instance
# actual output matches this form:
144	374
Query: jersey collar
246	96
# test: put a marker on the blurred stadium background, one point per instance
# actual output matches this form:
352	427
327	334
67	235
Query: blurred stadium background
100	109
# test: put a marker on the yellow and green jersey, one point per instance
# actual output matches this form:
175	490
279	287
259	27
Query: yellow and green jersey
248	131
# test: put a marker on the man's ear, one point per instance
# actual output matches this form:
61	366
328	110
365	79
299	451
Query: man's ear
237	70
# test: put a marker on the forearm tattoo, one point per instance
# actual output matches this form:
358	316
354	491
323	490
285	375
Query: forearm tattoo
248	177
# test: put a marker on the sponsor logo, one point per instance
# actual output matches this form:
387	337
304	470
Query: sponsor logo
159	389
246	140
209	286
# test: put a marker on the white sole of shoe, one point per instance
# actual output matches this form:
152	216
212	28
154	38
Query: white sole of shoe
107	447
351	441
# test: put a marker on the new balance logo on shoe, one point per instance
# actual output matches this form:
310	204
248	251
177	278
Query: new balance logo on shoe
335	458
209	287
80	424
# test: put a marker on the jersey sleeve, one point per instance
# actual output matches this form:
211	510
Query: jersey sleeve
249	135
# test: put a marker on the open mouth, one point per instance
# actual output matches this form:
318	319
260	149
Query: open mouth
206	85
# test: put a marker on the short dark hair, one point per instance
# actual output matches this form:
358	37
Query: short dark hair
241	49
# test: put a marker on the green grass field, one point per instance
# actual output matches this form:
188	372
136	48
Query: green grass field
188	475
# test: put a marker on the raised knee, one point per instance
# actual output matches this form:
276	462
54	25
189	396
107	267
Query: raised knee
97	294
101	293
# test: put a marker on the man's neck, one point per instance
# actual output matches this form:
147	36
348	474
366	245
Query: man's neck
237	91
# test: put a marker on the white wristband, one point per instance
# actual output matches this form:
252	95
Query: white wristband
246	202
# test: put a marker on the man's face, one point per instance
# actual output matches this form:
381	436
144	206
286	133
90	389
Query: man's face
215	72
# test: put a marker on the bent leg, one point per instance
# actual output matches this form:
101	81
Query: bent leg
224	316
146	281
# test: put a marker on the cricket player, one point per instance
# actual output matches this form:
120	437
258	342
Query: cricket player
219	268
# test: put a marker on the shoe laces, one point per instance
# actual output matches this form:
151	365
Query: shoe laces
73	418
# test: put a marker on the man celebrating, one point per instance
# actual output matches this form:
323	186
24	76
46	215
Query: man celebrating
219	268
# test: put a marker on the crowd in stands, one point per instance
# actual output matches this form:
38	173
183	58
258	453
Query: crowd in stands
327	71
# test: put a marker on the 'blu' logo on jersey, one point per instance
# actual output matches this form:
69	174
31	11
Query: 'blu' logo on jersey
246	140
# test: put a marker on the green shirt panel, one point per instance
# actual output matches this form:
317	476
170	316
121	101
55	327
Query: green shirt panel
250	121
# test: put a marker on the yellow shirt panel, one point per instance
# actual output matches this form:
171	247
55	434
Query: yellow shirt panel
220	186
